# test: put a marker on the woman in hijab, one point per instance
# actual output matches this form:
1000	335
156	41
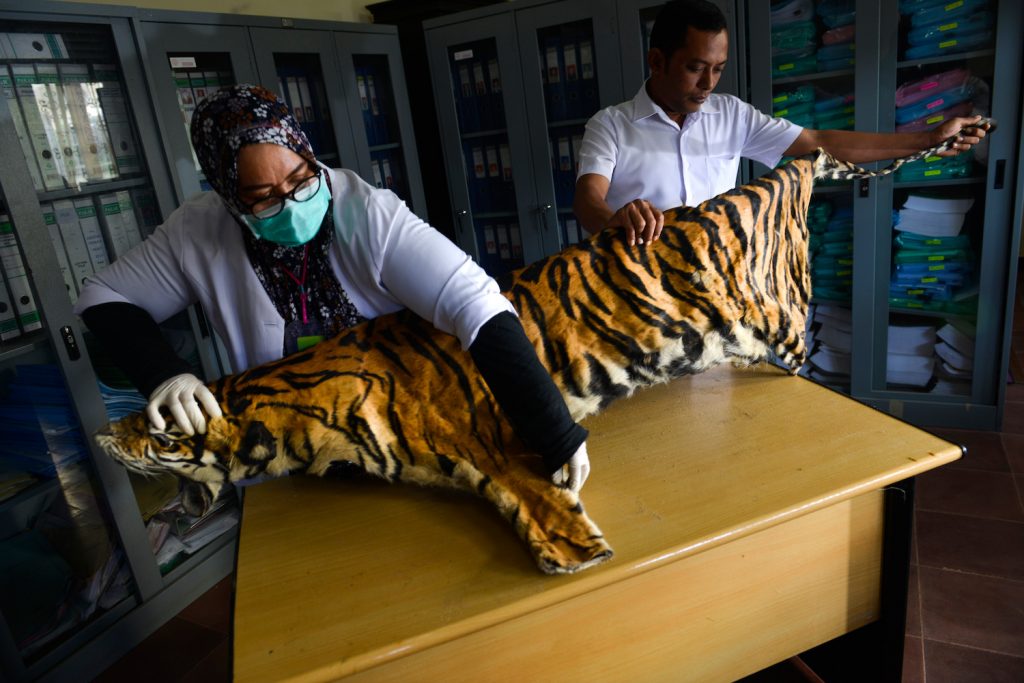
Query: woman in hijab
286	252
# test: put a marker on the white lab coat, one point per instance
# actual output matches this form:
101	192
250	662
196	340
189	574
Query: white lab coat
385	257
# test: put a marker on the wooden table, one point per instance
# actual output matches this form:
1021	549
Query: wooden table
745	507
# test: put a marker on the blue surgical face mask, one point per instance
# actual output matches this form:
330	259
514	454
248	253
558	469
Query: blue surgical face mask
297	222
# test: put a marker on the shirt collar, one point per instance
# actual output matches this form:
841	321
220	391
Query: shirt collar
644	107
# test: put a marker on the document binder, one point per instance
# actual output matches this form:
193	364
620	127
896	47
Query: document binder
17	278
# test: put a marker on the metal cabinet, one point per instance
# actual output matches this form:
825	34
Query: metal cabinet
375	92
514	86
82	177
310	65
912	312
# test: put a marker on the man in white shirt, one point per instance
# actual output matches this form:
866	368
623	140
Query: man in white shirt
676	143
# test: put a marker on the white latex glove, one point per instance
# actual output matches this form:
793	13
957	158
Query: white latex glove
182	395
575	472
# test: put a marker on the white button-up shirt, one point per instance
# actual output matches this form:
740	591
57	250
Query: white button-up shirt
647	155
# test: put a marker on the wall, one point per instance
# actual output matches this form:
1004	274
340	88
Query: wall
332	10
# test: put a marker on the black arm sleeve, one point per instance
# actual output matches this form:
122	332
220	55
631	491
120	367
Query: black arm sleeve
525	391
134	341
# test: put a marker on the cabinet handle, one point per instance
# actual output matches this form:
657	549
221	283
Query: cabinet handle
70	343
458	218
997	184
543	211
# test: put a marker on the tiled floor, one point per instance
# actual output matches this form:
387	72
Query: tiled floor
965	615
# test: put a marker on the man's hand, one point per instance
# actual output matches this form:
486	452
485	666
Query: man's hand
962	127
574	473
642	221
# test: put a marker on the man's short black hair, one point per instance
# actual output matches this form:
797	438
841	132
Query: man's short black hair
675	17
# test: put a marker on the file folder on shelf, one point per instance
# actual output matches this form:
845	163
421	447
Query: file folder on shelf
17	278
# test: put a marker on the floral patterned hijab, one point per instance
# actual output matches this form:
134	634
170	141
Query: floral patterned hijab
236	116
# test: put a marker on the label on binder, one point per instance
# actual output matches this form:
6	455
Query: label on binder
564	160
462	54
506	163
572	231
374	109
503	246
554	75
492	163
478	76
586	60
464	82
495	75
182	62
516	239
571	74
479	170
489	244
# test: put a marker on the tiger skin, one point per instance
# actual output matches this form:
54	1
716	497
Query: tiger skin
728	280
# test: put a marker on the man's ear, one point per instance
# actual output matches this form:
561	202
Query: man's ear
197	497
656	60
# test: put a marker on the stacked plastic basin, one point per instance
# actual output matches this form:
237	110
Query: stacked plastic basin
831	250
926	103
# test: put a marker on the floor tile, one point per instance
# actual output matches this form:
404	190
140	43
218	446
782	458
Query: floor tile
985	450
214	668
913	661
1013	417
976	493
1015	389
212	609
971	544
945	663
1013	447
913	605
971	610
166	655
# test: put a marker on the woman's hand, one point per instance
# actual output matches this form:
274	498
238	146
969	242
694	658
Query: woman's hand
182	395
574	473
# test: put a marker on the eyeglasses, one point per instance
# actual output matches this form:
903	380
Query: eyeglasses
270	206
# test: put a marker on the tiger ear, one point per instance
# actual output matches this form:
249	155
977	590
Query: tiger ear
219	433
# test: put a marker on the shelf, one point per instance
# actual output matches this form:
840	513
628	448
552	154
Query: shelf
381	148
833	189
939	183
816	76
93	188
567	122
974	54
20	511
488	215
485	133
26	343
929	314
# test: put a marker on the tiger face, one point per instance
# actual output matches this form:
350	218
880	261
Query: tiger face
143	449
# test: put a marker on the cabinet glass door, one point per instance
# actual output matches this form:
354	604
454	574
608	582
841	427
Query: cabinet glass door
940	219
306	79
570	70
187	62
480	106
379	109
636	20
75	194
813	60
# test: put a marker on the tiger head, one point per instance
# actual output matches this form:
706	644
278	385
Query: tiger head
201	460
